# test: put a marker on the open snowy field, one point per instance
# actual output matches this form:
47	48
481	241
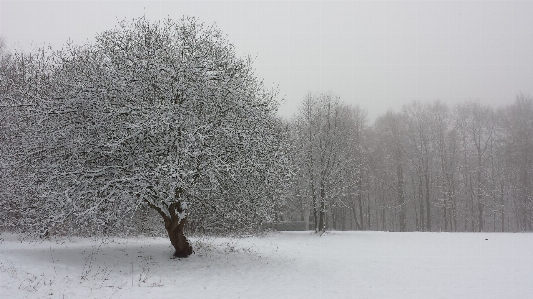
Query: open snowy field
280	265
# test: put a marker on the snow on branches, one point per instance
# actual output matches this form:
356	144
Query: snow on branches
147	109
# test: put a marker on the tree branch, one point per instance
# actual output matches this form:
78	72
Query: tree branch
158	209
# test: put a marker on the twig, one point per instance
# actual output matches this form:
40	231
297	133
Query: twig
53	262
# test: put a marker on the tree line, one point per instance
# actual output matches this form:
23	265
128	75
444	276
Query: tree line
429	167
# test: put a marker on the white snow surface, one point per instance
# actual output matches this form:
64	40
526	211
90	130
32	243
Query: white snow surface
279	265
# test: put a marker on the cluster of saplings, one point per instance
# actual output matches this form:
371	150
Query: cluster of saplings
163	119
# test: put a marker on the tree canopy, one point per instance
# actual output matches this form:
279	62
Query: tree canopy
158	114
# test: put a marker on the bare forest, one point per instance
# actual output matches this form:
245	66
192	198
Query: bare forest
428	167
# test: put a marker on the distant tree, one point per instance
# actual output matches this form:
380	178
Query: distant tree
388	167
357	166
445	144
422	152
500	174
518	128
476	127
156	114
325	135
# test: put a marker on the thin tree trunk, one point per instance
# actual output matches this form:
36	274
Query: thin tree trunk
322	220
502	204
422	214
445	210
354	214
428	206
368	209
360	202
401	196
315	214
479	196
334	218
315	207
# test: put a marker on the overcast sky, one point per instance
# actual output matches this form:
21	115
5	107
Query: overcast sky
379	55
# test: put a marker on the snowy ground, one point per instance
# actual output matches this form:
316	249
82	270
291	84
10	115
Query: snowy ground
280	265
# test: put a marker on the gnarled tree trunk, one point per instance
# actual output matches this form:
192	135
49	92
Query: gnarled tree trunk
175	224
178	239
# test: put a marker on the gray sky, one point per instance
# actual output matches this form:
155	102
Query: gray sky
376	54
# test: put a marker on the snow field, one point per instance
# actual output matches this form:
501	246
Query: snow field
280	265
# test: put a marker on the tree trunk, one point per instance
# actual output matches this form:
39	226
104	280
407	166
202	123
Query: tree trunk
175	224
401	195
479	195
454	209
421	202
502	206
178	240
428	206
360	201
322	212
321	223
445	210
334	218
354	214
368	209
315	214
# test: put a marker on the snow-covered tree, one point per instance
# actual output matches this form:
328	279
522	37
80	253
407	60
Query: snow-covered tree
158	114
325	135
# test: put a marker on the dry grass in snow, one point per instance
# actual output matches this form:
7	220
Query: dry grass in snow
280	265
